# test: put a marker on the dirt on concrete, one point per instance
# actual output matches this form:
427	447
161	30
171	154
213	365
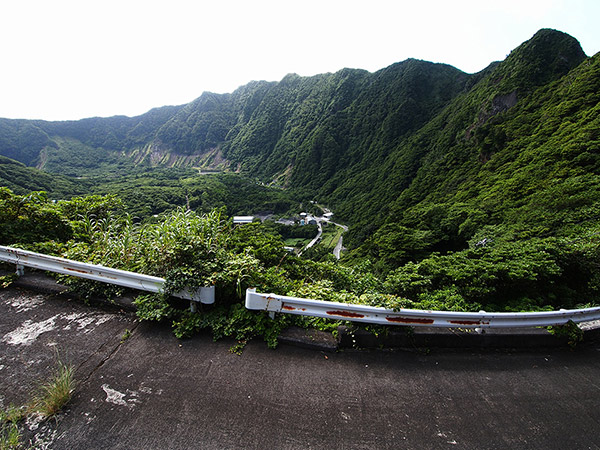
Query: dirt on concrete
141	388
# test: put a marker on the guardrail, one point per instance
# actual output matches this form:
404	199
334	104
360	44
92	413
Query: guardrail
25	258
414	317
307	307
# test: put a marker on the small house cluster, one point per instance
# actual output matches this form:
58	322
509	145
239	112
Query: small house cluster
307	219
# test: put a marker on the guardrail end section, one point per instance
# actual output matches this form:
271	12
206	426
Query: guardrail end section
253	300
256	301
262	302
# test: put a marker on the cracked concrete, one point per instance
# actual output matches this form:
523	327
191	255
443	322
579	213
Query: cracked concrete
37	330
50	327
152	391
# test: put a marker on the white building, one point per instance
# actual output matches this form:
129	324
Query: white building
242	219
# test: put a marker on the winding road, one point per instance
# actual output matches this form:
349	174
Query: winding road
318	236
338	248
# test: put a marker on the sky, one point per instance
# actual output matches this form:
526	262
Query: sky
71	59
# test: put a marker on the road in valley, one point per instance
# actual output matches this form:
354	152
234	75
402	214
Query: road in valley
320	220
317	237
339	246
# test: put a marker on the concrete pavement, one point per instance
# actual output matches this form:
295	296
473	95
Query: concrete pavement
141	388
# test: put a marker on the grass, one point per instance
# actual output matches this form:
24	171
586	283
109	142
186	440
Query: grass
126	335
49	399
55	393
331	236
12	414
296	242
10	436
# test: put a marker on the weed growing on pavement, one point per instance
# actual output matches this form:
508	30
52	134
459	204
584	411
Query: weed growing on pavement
569	330
49	399
7	280
10	435
55	393
126	335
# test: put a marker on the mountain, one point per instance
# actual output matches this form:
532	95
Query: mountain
418	144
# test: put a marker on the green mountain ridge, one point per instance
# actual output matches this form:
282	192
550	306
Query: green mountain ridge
416	143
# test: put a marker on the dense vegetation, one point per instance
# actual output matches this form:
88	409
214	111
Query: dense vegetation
146	192
150	192
22	179
461	191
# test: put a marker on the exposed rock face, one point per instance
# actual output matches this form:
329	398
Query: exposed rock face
502	103
159	154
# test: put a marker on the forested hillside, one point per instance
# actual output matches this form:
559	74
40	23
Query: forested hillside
462	191
22	179
399	145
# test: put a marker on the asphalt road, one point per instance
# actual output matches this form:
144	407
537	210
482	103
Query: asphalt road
147	390
317	237
338	248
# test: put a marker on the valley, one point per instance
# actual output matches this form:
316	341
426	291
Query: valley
456	191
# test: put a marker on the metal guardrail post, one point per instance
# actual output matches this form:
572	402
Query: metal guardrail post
414	317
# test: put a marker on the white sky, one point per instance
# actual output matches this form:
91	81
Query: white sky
69	59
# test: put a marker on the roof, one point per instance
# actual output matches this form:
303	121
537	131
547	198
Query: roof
243	219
